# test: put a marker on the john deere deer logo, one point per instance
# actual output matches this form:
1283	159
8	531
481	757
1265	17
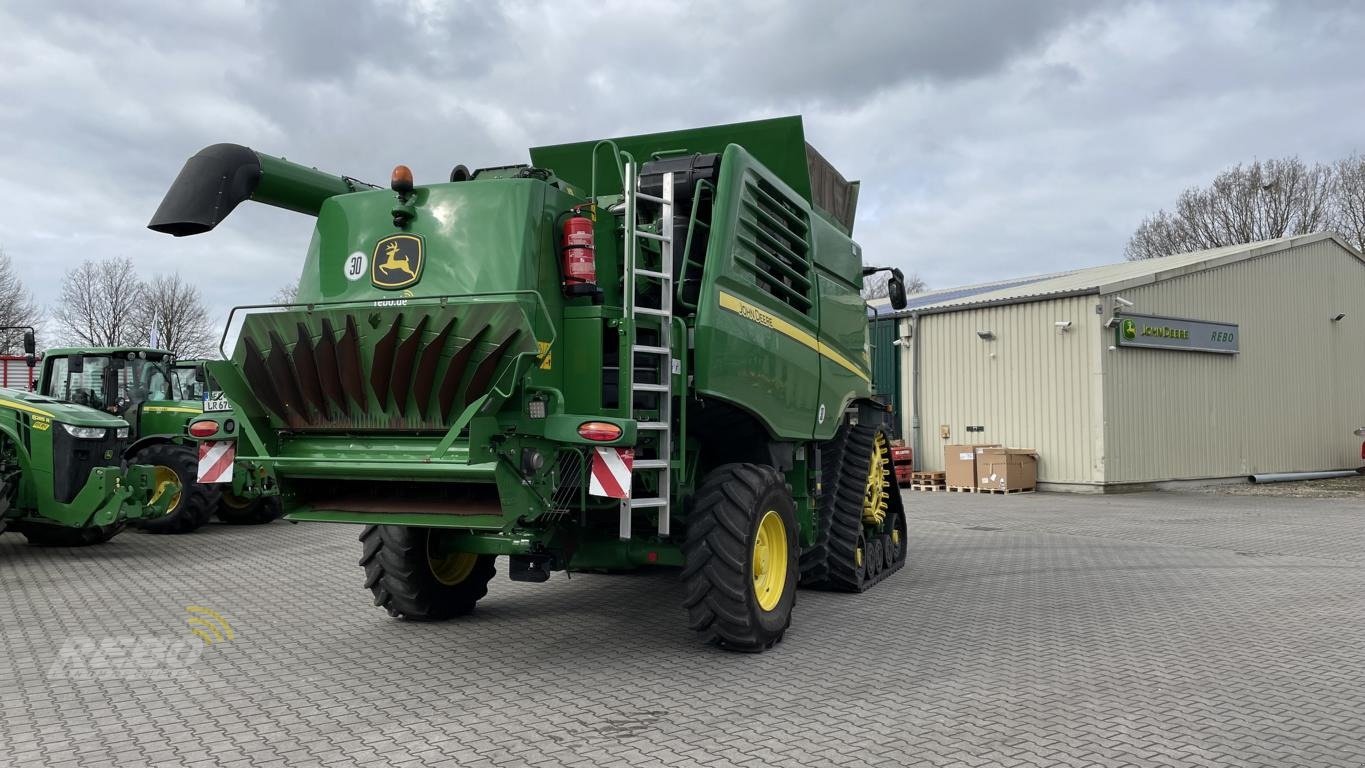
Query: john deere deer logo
1129	330
397	262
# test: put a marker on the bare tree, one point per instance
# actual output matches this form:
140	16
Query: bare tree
287	294
17	307
875	286
173	316
1350	199
99	304
1262	201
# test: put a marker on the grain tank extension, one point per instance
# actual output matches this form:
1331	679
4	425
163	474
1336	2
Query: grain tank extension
649	350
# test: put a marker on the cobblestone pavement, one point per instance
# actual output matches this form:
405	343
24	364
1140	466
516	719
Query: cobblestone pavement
1034	630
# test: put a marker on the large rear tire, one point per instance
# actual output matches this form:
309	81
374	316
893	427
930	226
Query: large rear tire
741	558
235	510
193	503
40	535
411	579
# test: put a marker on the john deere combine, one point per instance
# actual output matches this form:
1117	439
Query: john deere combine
642	351
60	479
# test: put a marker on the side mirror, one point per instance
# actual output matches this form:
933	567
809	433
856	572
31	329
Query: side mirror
895	289
30	346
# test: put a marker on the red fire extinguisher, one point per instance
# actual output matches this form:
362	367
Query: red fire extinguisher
579	255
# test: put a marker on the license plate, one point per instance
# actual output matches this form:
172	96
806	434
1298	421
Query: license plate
214	401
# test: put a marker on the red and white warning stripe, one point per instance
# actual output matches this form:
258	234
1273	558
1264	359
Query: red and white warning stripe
611	472
215	461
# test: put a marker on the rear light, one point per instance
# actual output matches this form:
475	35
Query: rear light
204	429
599	431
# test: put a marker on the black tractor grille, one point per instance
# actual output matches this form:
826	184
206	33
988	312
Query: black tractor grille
73	458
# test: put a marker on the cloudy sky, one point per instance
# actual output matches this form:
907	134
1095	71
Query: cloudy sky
993	139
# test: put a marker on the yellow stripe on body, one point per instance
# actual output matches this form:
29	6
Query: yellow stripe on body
170	409
768	320
25	408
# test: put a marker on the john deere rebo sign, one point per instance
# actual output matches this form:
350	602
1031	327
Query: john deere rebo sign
1153	332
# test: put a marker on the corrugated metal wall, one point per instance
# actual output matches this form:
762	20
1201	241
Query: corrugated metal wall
1287	402
1032	387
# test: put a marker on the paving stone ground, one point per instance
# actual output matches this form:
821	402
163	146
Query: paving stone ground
1032	630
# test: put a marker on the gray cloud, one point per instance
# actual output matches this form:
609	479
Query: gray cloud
993	138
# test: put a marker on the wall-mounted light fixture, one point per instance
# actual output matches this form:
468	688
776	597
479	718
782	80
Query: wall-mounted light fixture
986	335
1338	317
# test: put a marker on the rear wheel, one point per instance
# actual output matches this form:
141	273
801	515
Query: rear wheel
236	510
741	558
191	503
413	577
40	535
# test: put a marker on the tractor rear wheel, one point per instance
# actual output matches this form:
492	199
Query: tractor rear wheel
412	578
40	535
235	510
741	558
192	503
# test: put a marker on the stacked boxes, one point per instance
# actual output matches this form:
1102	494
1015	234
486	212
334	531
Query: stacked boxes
959	464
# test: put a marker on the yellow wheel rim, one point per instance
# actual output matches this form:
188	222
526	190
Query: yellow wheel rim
164	481
449	569
858	557
236	502
875	492
770	560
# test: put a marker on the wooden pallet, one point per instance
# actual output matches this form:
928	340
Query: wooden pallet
928	476
1002	492
927	487
961	489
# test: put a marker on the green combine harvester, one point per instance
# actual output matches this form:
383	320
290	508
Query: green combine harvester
642	351
158	396
60	478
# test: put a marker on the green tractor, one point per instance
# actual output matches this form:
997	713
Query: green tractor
60	477
146	387
633	352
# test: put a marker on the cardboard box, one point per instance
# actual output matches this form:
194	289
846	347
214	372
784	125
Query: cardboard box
1007	469
959	464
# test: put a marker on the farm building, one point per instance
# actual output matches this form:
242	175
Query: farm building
1216	364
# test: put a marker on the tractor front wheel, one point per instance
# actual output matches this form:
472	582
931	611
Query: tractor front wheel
413	577
741	558
236	510
192	503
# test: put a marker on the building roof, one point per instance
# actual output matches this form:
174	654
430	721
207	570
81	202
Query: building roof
1110	278
881	307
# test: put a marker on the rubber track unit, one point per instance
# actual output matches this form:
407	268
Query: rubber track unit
720	601
197	500
846	523
262	509
40	535
399	576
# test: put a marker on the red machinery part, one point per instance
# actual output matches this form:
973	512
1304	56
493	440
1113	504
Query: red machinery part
579	253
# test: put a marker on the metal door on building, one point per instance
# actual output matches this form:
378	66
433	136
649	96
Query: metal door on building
886	366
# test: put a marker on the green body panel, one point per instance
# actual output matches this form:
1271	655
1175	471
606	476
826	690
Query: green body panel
447	388
30	427
772	359
778	143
